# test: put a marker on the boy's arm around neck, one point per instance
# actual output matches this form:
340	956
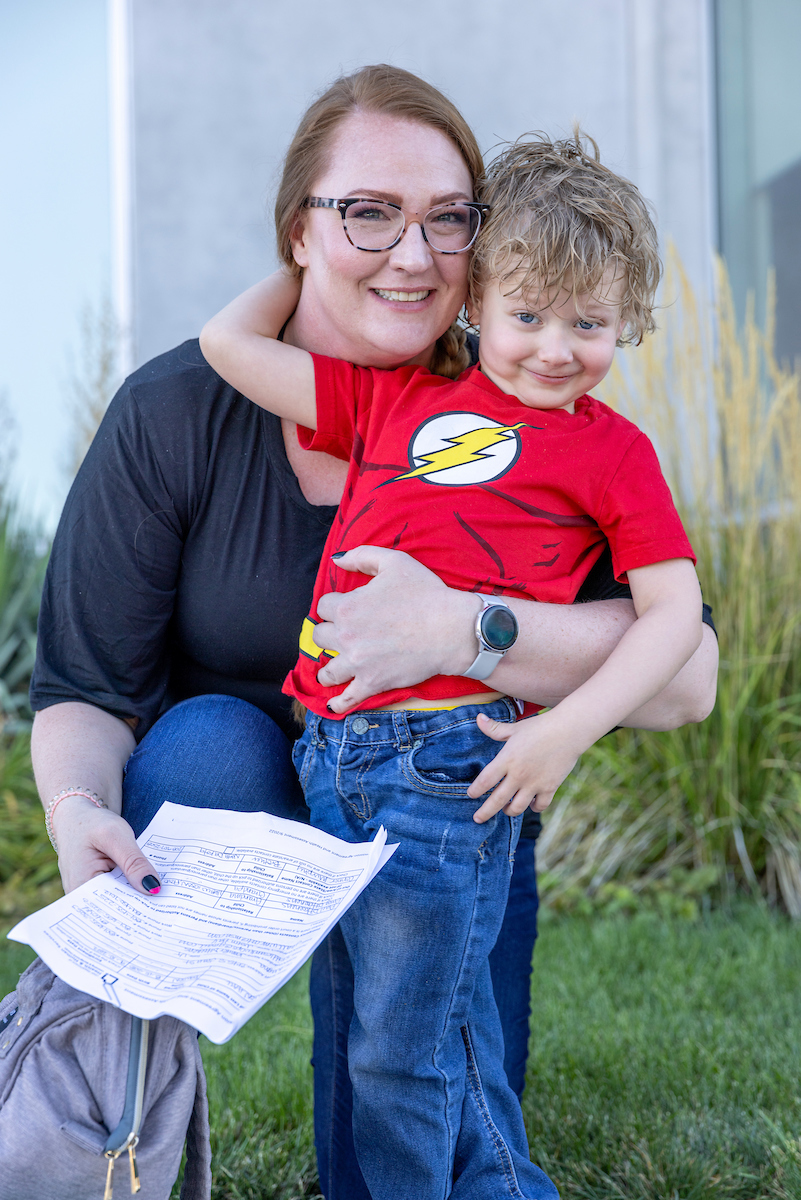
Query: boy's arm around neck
241	344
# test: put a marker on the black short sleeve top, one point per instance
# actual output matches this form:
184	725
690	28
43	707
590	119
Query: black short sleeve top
186	554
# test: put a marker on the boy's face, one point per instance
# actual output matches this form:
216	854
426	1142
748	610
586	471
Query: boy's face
546	349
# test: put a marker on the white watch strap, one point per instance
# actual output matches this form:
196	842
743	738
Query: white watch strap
487	659
484	664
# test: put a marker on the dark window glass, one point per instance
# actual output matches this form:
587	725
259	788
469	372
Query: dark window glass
758	45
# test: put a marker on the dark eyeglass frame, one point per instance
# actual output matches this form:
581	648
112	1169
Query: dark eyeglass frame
342	207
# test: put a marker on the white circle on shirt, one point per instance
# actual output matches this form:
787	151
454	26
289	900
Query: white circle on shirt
458	448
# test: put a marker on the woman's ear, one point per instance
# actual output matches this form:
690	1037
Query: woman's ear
297	240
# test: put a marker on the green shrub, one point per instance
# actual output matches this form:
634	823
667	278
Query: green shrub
22	564
28	866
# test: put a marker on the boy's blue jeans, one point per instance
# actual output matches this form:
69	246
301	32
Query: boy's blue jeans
220	752
433	1113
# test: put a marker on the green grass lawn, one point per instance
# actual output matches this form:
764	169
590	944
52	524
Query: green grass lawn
666	1058
665	1066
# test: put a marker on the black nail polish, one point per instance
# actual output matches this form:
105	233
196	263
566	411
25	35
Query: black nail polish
339	554
151	884
328	706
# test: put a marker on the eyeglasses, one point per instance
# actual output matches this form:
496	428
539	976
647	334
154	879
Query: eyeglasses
377	225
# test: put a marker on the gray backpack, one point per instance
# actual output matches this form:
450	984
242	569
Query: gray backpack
94	1101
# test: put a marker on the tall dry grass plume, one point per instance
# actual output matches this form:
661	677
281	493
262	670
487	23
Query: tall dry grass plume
94	378
670	818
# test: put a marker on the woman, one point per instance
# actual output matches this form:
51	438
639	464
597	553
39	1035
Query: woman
186	554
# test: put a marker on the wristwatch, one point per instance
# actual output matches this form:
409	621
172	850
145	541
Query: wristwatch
496	631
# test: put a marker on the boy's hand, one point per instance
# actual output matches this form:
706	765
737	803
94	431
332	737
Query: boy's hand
526	772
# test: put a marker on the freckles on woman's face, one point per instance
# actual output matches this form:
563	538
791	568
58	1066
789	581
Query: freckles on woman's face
388	307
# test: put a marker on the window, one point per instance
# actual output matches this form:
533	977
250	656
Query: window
758	51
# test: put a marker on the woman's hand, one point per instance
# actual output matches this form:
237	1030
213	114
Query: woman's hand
94	840
402	627
77	744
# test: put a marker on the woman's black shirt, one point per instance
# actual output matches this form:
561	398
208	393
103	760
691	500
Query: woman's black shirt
186	554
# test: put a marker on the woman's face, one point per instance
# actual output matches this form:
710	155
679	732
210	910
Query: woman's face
388	308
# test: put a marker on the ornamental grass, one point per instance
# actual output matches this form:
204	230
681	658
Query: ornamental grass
678	820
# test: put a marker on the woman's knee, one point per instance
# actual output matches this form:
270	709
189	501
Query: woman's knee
215	751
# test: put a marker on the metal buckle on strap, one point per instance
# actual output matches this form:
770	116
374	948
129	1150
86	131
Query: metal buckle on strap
126	1135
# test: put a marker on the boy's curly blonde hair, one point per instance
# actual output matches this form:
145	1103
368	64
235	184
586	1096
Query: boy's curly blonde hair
563	218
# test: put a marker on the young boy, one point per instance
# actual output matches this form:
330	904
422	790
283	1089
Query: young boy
507	482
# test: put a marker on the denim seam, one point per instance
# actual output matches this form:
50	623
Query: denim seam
305	766
364	813
362	771
474	1083
513	842
453	1135
335	1013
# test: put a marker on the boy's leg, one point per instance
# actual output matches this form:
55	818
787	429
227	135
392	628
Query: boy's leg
331	991
418	939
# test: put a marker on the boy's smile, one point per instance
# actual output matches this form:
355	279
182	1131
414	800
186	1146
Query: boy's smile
547	350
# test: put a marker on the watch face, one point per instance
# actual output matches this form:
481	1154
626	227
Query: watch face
499	627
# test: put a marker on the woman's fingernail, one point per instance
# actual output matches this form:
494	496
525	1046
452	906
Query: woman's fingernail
151	884
339	554
328	706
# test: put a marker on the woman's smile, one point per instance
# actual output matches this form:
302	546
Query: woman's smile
404	297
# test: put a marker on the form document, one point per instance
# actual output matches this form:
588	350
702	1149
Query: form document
245	899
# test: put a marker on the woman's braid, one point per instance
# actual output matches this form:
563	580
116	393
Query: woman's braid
451	353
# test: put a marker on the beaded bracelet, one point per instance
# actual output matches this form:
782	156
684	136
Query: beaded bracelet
59	796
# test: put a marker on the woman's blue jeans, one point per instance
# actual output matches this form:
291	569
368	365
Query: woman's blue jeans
221	752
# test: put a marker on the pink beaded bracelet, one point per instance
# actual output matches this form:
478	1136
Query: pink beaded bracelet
59	796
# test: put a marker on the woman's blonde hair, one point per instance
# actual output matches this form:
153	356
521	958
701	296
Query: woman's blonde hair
379	89
559	220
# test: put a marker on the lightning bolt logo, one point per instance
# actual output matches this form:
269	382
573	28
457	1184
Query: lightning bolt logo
461	448
466	448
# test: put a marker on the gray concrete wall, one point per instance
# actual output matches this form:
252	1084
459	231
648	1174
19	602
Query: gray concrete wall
218	89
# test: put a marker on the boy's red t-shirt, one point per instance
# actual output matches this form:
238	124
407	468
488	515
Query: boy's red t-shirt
493	497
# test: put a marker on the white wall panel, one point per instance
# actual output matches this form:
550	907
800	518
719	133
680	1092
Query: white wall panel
218	89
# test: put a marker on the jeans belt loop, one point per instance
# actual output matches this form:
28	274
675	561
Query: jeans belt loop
403	736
